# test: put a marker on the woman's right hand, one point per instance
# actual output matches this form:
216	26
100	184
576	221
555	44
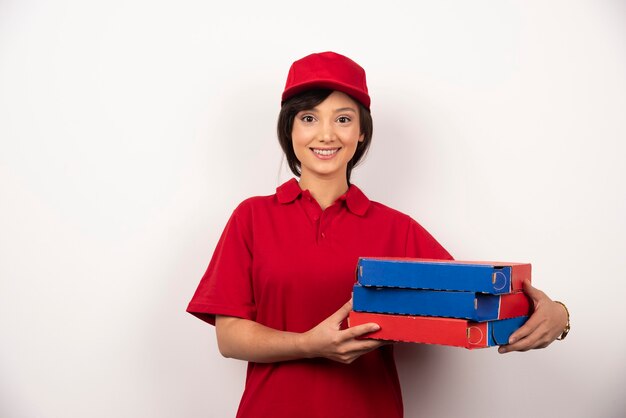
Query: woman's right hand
248	340
328	340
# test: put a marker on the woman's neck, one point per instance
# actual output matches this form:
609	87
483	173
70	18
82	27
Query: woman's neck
324	190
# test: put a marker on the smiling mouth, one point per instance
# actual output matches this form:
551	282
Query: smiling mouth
325	152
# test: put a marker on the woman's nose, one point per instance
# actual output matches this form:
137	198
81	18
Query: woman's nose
327	133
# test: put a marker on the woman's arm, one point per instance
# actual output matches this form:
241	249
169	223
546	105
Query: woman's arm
244	339
543	327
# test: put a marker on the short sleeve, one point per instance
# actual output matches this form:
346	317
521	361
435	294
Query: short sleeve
420	244
226	287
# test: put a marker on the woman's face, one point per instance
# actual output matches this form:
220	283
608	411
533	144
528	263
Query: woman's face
325	137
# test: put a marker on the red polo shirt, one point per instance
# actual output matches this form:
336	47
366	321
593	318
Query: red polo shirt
286	263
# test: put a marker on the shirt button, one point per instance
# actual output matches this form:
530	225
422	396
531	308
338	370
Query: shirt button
315	218
323	235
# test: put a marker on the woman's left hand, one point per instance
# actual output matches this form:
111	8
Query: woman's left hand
543	327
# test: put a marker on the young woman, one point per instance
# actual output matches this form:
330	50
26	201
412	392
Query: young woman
278	288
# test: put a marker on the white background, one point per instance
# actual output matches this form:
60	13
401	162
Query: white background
130	129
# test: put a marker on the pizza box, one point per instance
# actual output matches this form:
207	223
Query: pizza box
469	305
470	276
442	331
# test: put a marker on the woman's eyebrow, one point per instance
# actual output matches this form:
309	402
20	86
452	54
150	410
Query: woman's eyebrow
341	109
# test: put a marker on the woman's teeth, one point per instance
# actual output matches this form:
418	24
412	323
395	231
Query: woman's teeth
325	151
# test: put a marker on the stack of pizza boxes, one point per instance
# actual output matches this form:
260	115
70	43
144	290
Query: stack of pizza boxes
469	304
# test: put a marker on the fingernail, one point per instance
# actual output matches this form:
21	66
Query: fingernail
375	327
501	350
512	340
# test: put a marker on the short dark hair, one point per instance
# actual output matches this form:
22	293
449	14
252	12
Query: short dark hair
308	100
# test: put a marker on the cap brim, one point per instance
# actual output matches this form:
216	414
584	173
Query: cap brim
357	95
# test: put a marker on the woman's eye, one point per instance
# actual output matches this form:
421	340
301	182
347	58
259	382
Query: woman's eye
307	118
343	119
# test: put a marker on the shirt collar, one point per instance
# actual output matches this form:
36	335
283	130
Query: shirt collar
288	191
356	201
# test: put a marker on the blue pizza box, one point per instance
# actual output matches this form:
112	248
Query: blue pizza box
452	304
470	276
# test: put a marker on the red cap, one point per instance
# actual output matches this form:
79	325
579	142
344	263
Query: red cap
327	70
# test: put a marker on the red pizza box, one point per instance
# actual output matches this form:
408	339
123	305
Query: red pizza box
442	331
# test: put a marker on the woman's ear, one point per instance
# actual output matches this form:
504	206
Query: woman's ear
361	138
